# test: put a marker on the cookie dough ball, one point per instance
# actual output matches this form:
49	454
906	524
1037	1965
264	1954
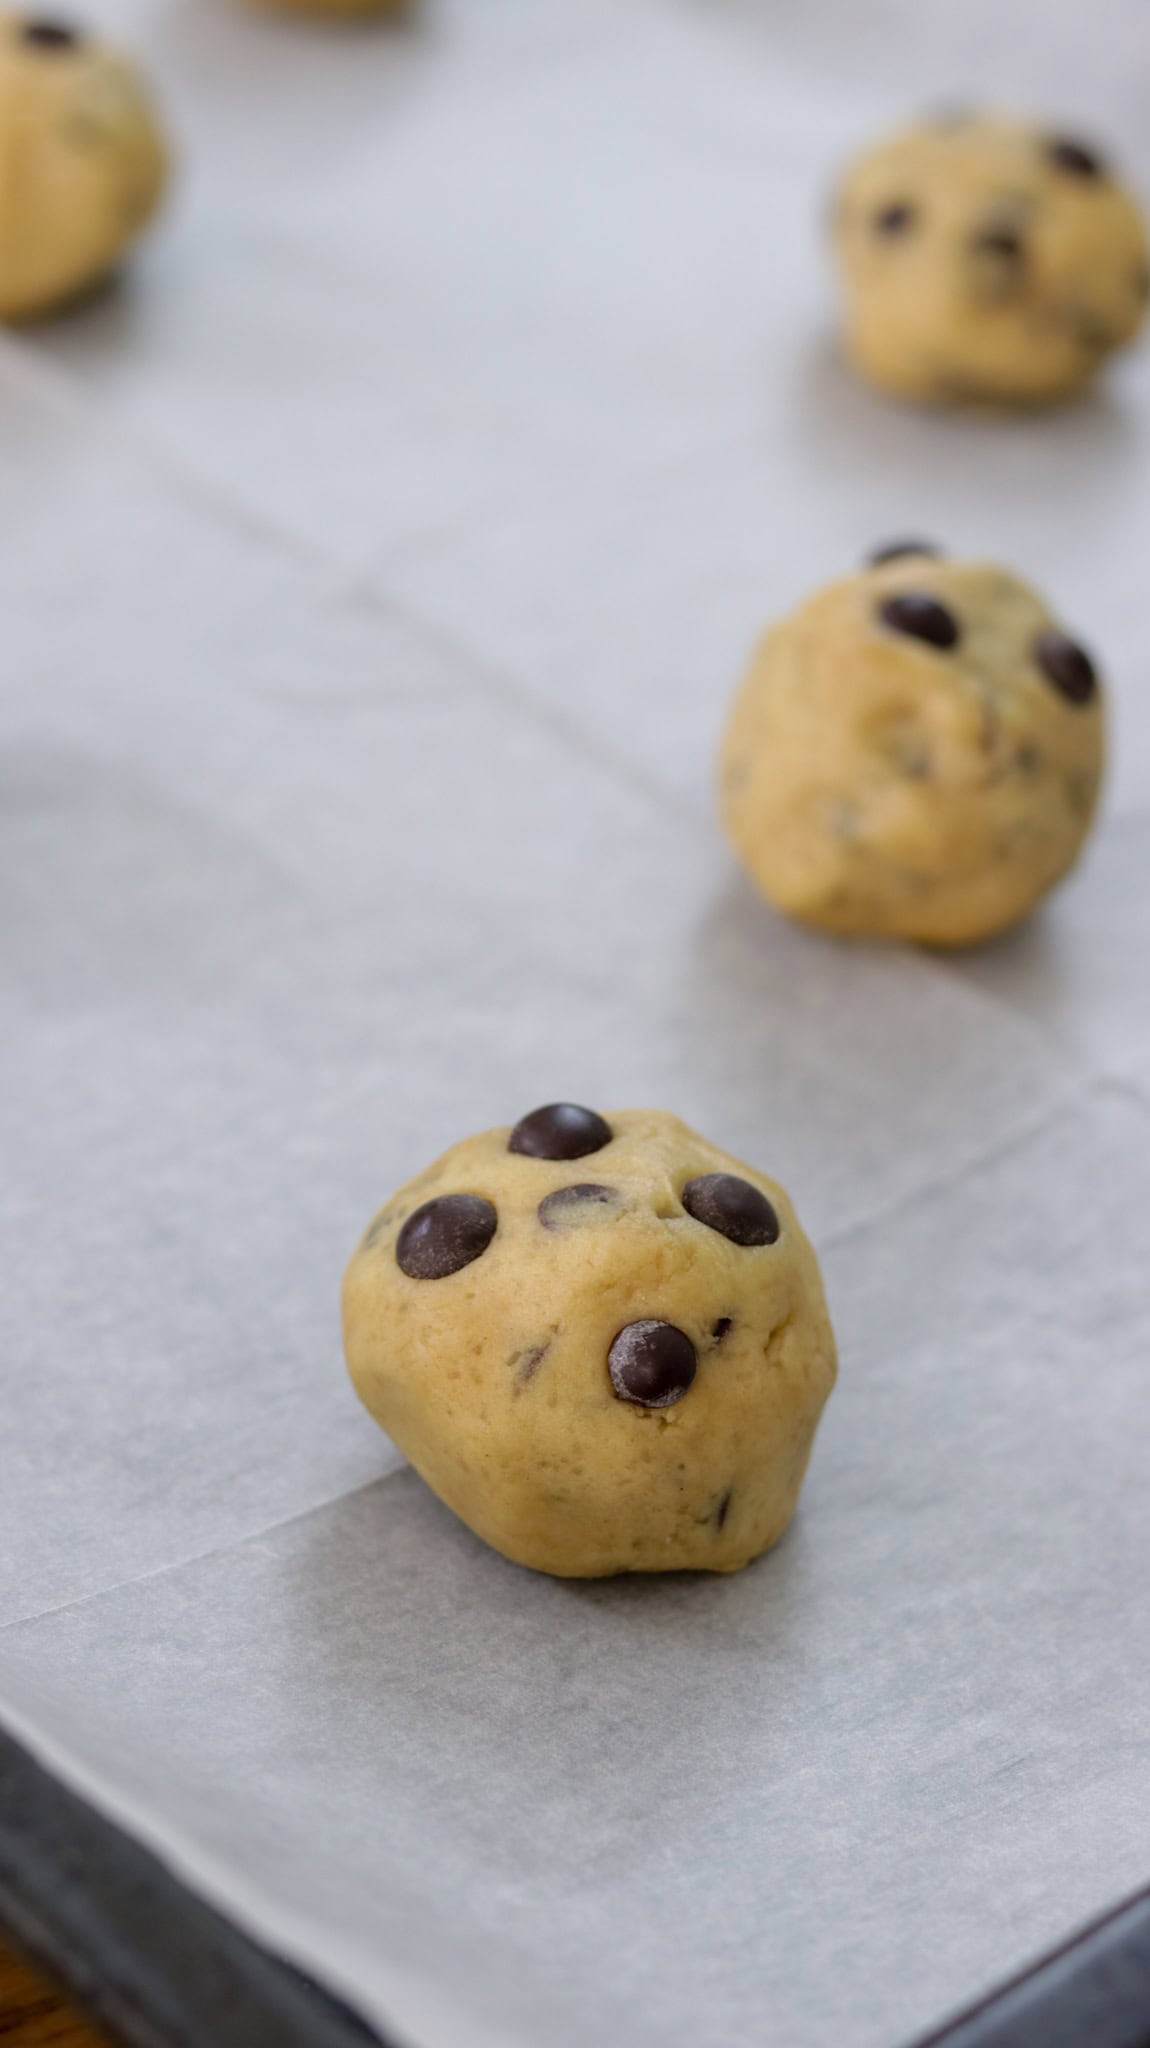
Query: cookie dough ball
602	1341
82	164
916	752
340	10
986	260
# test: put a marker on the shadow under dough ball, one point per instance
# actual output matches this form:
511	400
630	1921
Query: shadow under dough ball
987	260
83	165
618	1373
915	752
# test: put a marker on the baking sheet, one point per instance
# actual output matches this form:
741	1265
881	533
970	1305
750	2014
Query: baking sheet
375	569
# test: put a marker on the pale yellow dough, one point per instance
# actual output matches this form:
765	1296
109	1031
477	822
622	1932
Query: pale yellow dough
876	784
82	163
985	260
494	1381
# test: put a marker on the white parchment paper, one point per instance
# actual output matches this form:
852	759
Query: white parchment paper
375	568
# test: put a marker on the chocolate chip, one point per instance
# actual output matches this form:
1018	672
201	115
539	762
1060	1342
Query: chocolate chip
1075	157
556	1208
997	239
50	35
1091	332
893	550
1067	666
722	1328
896	219
527	1363
922	616
561	1130
724	1507
652	1364
444	1235
733	1207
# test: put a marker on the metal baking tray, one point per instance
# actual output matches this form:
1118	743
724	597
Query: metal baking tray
156	1967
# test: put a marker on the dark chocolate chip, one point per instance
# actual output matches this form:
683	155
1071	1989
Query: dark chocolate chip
893	550
1075	157
556	1208
922	616
998	239
1090	331
652	1364
722	1328
444	1235
896	219
527	1363
561	1130
733	1207
1067	666
724	1507
50	35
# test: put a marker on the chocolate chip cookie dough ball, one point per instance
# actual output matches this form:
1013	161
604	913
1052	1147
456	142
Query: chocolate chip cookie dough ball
340	10
986	260
82	162
915	752
601	1340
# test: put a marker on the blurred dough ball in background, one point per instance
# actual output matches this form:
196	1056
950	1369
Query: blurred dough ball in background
915	753
82	162
987	260
340	10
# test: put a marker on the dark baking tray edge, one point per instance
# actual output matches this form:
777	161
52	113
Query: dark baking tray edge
149	1960
139	1952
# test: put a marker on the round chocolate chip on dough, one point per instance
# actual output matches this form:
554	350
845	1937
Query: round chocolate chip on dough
564	1205
1075	157
444	1235
896	219
893	551
733	1207
652	1364
50	35
921	616
1067	665
560	1130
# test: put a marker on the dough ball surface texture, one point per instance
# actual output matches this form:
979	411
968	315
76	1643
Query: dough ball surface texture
916	752
985	260
616	1366
82	165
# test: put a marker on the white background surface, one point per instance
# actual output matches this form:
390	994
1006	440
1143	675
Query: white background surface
375	568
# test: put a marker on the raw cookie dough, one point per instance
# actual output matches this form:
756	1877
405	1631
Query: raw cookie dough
986	260
82	162
337	10
603	1342
915	752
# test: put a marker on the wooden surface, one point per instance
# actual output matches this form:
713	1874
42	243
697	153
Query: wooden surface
32	2016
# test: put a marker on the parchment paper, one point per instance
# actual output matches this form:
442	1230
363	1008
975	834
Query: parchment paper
376	566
